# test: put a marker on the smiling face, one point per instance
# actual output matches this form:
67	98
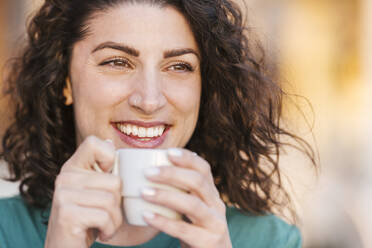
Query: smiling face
135	78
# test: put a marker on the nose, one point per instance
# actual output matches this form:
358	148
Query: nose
148	97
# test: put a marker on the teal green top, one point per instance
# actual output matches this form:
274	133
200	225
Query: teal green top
24	226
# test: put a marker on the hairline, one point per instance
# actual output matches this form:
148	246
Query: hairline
96	13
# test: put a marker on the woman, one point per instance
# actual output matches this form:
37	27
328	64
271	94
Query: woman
100	75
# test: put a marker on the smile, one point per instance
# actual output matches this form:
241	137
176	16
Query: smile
141	132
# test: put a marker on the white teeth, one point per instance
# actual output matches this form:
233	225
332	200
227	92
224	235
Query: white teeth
156	132
161	129
129	129
135	130
141	132
150	132
121	128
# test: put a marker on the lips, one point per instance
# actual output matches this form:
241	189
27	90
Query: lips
142	134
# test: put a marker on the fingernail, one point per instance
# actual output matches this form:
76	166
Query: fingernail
148	191
175	152
148	215
109	141
153	171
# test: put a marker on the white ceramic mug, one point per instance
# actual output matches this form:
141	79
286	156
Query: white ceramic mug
130	165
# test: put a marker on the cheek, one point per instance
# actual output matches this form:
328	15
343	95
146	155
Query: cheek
95	99
186	97
186	102
99	92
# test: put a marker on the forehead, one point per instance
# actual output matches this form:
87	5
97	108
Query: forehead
141	25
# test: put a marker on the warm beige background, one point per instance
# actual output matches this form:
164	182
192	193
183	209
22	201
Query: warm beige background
321	50
3	44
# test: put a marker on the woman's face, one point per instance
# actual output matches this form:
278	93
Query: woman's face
136	79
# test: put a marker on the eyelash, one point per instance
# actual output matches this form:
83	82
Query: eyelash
112	62
126	63
187	66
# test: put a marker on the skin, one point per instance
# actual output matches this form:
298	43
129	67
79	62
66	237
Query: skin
148	87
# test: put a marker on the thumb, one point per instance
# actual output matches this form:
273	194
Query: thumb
93	152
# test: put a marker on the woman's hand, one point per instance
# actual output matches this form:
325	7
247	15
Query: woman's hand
200	203
85	203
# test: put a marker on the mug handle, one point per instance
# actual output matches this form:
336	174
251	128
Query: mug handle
115	169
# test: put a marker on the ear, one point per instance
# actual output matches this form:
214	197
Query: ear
67	92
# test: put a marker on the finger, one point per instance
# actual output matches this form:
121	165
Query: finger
92	150
187	159
106	201
188	233
89	180
186	179
196	210
81	219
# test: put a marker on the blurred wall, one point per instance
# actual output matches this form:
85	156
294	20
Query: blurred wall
3	44
322	50
13	14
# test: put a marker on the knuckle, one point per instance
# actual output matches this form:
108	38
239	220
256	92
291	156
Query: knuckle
206	169
108	153
65	166
60	180
59	196
91	142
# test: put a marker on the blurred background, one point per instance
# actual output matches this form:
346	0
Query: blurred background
319	49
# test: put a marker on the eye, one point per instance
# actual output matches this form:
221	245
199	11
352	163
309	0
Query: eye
119	63
181	67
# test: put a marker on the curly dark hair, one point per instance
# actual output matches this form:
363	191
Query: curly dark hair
238	129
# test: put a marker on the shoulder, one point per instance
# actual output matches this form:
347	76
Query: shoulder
12	208
16	215
266	231
12	201
13	211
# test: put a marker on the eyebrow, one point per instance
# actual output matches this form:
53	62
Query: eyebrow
134	52
180	52
116	46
